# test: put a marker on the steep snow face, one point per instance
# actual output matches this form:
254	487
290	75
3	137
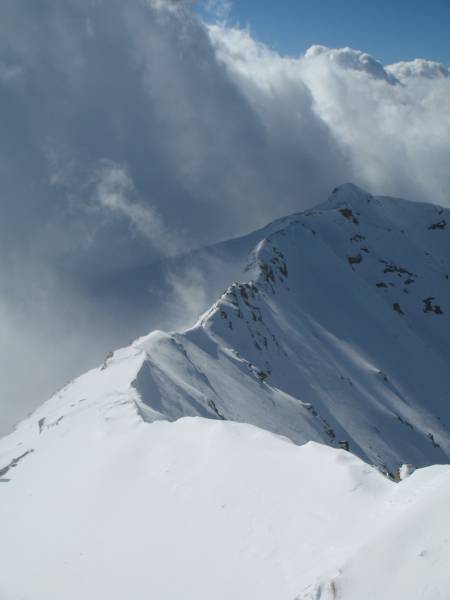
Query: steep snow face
339	335
105	505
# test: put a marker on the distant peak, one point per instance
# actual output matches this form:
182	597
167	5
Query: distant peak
349	193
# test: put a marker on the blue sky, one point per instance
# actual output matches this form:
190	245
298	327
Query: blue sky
391	30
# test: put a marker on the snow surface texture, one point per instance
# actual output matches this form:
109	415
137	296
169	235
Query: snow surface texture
340	334
105	505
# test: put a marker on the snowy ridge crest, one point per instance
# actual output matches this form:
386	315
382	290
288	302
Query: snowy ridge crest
325	341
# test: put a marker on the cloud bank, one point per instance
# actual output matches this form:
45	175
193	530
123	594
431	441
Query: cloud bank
132	131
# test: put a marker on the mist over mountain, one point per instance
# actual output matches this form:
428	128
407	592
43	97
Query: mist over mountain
133	132
335	331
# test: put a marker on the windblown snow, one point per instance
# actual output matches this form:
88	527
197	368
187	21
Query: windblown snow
158	474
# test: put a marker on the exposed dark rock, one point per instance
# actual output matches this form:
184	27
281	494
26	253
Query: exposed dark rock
430	436
262	375
354	260
267	272
311	409
213	406
105	362
328	430
381	374
429	307
404	422
397	308
347	213
14	462
439	225
397	269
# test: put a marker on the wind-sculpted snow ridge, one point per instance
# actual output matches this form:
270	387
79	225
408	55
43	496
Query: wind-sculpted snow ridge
340	335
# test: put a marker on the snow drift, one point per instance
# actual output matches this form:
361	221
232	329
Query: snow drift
108	506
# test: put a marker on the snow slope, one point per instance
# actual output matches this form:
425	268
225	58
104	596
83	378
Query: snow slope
109	506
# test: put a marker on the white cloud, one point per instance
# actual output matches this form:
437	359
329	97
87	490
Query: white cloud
218	9
418	68
392	124
115	193
355	60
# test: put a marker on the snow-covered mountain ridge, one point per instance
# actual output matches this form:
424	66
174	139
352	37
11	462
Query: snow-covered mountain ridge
136	481
341	333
